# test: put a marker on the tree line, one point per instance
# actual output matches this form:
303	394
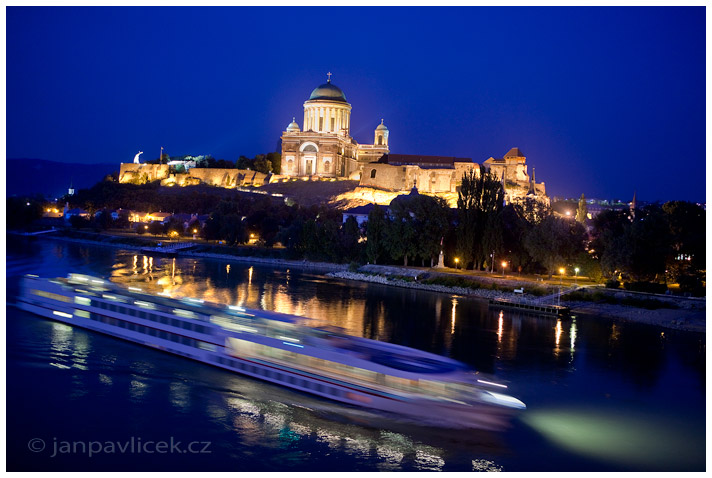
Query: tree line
655	244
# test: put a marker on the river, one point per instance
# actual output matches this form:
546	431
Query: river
601	395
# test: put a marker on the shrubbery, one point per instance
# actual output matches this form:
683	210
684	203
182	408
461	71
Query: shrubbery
642	286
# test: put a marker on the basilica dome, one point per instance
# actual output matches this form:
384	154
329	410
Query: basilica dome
328	91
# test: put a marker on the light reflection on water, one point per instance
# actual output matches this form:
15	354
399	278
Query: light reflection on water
631	438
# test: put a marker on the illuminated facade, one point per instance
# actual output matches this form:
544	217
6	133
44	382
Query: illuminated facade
325	148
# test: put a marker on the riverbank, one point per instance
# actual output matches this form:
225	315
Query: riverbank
690	316
322	267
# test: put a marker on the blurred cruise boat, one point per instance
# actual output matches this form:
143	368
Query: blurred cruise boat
281	349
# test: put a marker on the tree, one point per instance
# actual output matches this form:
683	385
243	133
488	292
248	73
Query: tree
514	229
688	238
376	228
155	228
243	162
262	164
401	234
555	242
350	236
608	228
431	223
276	160
173	225
638	248
232	229
582	211
78	221
103	219
532	210
479	201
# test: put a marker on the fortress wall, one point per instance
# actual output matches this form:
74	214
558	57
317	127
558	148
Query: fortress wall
386	176
462	168
228	178
153	172
402	178
436	180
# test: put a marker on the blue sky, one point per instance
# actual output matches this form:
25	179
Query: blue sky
603	101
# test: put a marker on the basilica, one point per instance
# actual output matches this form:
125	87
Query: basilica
324	146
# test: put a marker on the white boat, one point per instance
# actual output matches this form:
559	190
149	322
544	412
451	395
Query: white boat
281	349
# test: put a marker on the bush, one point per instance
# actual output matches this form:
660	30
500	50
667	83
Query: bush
651	287
692	285
612	284
354	266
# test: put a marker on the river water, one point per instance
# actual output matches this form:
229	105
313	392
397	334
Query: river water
601	395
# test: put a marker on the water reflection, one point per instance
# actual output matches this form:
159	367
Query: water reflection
628	437
399	315
587	380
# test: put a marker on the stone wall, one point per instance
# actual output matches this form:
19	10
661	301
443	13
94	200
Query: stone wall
386	176
229	178
226	178
132	172
403	178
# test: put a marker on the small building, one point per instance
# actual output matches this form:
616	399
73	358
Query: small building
161	217
137	216
360	213
69	213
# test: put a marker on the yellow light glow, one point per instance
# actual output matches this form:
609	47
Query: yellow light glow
561	271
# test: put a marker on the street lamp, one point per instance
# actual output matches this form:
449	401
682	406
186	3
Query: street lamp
457	260
576	271
504	267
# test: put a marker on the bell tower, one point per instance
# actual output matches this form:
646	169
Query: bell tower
380	137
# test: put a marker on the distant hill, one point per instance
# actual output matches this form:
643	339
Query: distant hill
51	178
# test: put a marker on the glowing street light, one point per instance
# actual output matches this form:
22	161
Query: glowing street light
576	271
457	260
504	267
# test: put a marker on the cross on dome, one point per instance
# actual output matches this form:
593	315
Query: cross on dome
329	79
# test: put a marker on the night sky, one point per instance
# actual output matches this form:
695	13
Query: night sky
602	101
